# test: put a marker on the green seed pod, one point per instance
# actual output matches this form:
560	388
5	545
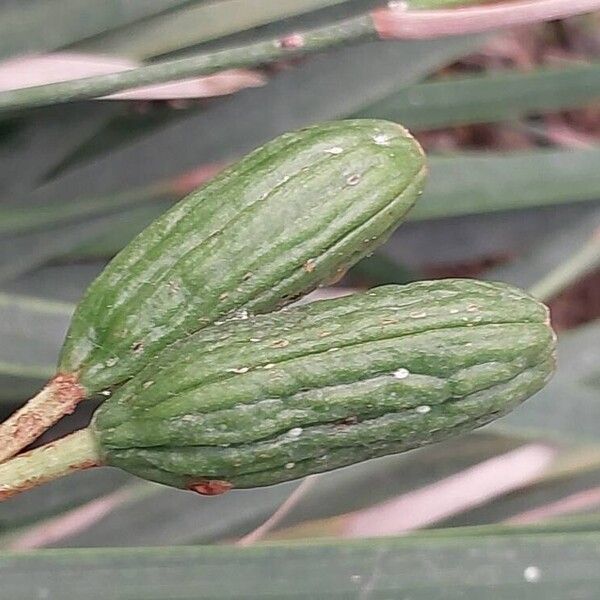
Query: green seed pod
275	397
290	215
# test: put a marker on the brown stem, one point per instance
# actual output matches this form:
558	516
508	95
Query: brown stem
58	398
72	453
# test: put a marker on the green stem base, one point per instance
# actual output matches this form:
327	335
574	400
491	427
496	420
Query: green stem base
58	398
72	453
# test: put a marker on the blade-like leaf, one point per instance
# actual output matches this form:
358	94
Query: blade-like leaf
547	255
43	139
63	282
299	97
480	183
293	99
198	23
182	517
489	97
202	22
31	330
48	24
548	566
19	254
462	185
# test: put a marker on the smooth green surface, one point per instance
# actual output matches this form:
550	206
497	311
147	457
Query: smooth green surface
493	96
489	182
297	212
548	255
528	567
18	219
273	398
30	330
22	253
35	25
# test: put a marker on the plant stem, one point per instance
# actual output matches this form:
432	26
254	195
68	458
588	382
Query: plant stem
72	453
314	40
58	398
394	22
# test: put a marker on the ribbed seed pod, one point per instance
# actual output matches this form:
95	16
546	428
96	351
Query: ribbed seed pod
292	214
276	397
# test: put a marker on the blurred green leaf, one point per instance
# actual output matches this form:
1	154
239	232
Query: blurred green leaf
35	25
547	255
323	88
489	97
200	22
289	101
197	23
30	329
21	253
40	140
58	497
486	182
172	516
458	185
108	244
548	566
464	184
17	219
63	282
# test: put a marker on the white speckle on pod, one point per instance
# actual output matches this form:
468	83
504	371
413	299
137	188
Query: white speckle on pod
290	465
239	370
269	366
417	315
381	139
147	384
105	393
423	409
334	150
240	315
401	373
295	432
353	179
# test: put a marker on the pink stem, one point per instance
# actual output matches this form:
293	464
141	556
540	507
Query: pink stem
396	22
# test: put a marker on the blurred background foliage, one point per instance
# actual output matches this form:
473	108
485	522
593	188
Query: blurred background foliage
511	121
